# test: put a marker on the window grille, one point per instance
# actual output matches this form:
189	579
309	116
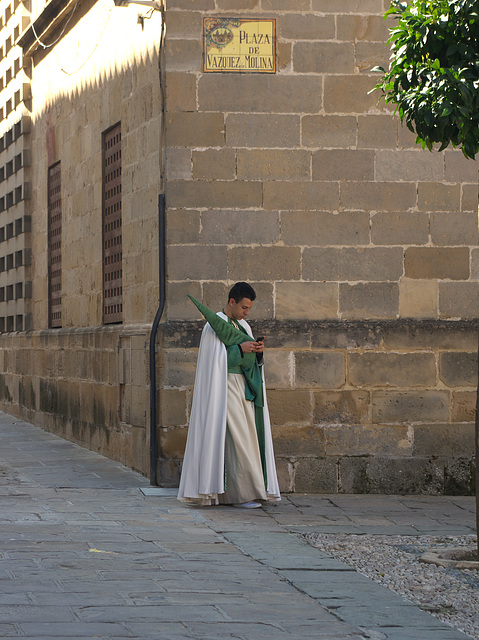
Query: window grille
55	246
112	231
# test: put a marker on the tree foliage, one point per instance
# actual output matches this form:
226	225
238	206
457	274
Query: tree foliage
433	75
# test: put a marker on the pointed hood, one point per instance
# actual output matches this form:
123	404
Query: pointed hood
226	332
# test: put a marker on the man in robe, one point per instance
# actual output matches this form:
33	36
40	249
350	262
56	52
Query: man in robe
229	451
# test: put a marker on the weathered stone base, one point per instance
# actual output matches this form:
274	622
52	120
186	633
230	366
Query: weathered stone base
88	385
356	407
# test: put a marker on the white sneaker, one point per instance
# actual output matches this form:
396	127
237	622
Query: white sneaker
248	505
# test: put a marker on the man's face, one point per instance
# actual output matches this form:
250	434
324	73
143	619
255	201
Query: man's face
241	309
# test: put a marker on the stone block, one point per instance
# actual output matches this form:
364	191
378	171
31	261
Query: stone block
139	402
370	55
406	138
353	477
328	131
362	7
183	226
240	5
352	264
172	442
168	472
378	196
295	441
324	370
469	197
178	368
321	228
410	406
437	262
436	196
458	168
346	335
408	166
377	132
463	406
399	228
429	335
178	306
365	440
200	5
194	129
240	227
343	164
323	57
182	334
341	407
459	477
350	94
458	368
405	476
306	26
368	301
444	440
475	264
458	300
316	475
373	369
285	472
185	24
273	164
264	263
300	196
418	298
181	93
262	130
186	262
260	93
214	194
278	369
290	407
284	56
183	55
362	27
454	228
306	300
214	164
138	453
178	164
286	334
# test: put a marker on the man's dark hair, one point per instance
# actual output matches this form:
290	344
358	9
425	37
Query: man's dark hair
242	290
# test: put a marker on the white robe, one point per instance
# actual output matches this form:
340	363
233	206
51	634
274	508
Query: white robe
203	473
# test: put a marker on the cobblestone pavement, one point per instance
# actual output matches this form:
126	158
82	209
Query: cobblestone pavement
89	550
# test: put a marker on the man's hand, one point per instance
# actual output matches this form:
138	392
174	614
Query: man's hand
252	347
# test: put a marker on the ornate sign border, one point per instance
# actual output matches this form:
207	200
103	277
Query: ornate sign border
239	45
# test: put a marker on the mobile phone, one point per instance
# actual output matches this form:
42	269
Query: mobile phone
260	339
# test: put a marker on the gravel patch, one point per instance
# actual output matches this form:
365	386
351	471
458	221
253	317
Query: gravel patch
452	595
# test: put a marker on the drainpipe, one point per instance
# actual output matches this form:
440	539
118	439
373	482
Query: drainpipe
154	331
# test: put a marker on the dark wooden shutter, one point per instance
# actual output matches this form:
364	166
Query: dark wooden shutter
55	245
112	232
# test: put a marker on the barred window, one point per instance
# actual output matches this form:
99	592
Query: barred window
54	246
112	231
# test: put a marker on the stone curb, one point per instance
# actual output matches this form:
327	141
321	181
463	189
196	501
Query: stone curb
452	558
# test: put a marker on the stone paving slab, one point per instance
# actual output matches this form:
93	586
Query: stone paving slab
88	550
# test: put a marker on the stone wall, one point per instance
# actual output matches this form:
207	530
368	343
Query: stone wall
88	385
356	407
363	249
